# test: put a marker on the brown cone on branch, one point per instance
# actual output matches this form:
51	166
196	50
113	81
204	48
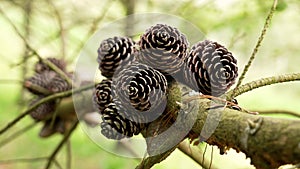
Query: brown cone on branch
38	84
51	127
163	47
141	90
41	67
43	111
102	95
115	126
210	68
58	84
114	53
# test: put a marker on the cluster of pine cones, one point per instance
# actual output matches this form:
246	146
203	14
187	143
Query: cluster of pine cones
138	75
45	82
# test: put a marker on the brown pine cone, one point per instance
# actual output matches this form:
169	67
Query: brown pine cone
210	68
114	53
163	47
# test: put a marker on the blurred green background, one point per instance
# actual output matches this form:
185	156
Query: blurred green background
234	23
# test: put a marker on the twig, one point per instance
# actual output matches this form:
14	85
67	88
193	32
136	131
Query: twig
129	149
61	28
151	161
280	112
203	154
52	66
69	154
34	52
27	22
28	160
195	153
17	134
262	82
11	81
62	142
36	87
93	27
211	157
258	44
46	99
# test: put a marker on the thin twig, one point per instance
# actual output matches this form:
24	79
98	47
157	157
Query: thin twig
34	52
61	28
29	160
195	153
69	154
61	73
36	87
280	112
263	82
11	81
130	149
62	142
203	155
46	99
255	50
27	22
149	162
93	27
17	134
211	157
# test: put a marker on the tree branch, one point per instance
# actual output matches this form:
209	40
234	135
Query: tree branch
28	160
295	114
255	50
17	134
261	83
196	154
269	142
46	99
63	141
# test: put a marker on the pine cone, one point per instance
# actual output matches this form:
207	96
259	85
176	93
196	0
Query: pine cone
40	80
210	68
50	127
47	129
140	88
43	111
46	82
163	47
40	66
102	95
115	52
58	84
115	126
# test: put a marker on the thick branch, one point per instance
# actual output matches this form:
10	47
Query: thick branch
269	142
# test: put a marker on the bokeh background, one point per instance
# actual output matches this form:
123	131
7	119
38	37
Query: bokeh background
60	28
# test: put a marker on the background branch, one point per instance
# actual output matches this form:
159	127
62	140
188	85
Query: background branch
59	146
43	100
17	134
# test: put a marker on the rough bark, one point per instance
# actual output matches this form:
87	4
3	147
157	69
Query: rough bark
269	142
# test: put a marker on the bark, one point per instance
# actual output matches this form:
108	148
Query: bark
269	142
